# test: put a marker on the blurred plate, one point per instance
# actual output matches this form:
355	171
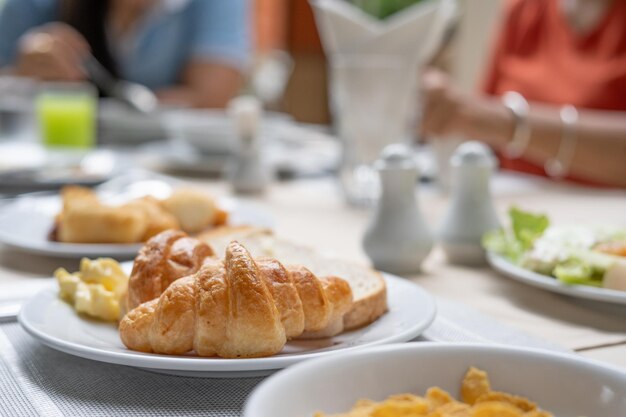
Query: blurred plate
27	166
53	322
118	124
545	282
294	150
562	383
25	224
212	131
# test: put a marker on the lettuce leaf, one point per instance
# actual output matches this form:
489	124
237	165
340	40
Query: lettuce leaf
576	271
585	268
526	227
503	243
383	8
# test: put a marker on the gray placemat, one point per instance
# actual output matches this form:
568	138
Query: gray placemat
38	381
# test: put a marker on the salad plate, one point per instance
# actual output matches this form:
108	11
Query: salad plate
545	282
53	322
580	260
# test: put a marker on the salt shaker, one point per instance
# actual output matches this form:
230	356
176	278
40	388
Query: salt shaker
471	213
397	239
248	172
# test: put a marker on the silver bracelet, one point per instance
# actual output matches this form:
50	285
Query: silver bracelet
518	105
559	166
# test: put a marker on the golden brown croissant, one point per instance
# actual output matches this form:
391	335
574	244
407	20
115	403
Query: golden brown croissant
238	308
166	257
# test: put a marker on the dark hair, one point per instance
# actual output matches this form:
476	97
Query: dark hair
89	17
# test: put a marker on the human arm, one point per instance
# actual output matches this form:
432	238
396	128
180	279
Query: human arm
600	154
220	52
33	45
204	84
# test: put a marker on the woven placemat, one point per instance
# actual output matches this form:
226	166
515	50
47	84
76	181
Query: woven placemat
38	381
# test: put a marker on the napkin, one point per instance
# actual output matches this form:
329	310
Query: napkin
414	33
374	71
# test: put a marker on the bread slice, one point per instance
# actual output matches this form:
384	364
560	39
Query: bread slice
368	286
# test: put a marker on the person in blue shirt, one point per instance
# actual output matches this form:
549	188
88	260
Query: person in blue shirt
191	52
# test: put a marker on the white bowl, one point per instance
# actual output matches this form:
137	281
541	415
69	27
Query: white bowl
562	383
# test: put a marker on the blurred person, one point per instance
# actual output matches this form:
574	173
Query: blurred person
190	52
566	60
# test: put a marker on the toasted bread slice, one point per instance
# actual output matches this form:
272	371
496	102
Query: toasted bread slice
368	286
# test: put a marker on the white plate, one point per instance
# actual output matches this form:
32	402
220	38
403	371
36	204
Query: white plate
118	125
27	166
535	279
26	223
53	322
562	383
297	150
212	131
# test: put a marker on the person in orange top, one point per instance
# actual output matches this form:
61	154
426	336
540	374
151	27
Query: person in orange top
554	98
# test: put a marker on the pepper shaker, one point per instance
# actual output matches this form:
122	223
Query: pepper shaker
470	213
248	172
397	239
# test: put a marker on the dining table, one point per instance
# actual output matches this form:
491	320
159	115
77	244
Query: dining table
475	304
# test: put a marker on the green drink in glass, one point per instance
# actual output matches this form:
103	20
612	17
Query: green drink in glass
67	115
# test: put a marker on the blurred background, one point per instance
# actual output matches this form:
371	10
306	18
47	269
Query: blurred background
289	26
306	98
335	80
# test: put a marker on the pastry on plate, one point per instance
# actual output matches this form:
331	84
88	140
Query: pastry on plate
368	286
194	210
156	217
86	219
164	259
238	307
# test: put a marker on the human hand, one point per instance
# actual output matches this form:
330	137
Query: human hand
52	52
450	112
444	112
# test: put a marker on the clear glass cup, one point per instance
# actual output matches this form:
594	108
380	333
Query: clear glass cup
16	103
373	101
67	114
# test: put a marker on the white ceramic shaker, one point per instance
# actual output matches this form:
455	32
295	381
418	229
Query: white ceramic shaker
470	213
397	239
248	172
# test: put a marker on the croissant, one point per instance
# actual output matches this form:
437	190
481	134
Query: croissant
238	308
166	257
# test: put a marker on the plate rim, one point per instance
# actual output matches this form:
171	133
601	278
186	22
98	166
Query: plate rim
535	279
214	365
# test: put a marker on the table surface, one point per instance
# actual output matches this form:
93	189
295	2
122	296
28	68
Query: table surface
312	211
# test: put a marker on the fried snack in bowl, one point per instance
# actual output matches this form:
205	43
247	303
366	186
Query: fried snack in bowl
478	400
527	382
